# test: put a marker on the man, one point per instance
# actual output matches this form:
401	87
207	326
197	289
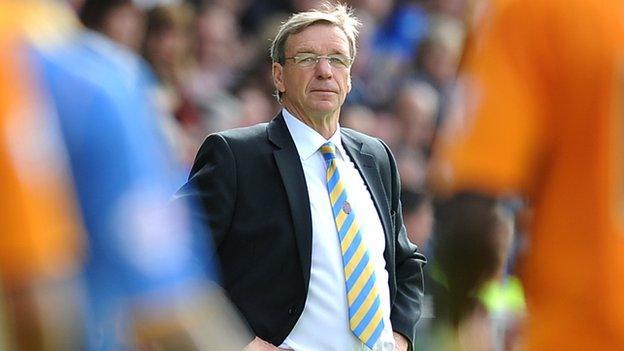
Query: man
544	118
281	238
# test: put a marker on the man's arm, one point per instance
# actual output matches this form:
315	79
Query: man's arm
211	187
408	267
211	192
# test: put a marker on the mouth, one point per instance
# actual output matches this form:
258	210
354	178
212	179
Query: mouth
323	91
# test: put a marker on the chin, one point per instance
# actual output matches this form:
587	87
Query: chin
325	106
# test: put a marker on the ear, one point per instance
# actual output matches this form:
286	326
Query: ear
278	76
349	83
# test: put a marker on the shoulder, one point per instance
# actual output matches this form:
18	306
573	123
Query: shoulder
245	138
235	139
227	146
361	137
244	134
369	143
380	152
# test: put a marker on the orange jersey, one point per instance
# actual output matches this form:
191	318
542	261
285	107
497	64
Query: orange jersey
542	116
39	235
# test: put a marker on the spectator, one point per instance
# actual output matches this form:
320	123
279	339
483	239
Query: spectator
167	47
416	107
120	20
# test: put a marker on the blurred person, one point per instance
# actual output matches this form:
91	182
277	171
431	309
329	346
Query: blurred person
305	5
418	216
402	25
412	167
220	58
146	283
219	53
481	229
436	64
236	7
438	57
167	47
41	242
255	15
450	8
378	124
541	116
380	10
449	32
393	31
361	118
388	128
120	20
285	244
416	107
255	105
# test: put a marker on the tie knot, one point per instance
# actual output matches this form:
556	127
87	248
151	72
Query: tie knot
328	150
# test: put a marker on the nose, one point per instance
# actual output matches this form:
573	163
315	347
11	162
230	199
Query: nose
323	69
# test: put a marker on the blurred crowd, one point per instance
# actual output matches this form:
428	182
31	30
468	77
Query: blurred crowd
204	66
213	72
212	69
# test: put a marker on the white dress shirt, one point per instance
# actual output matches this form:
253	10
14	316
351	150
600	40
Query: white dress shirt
324	322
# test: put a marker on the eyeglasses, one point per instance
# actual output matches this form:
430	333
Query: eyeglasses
310	60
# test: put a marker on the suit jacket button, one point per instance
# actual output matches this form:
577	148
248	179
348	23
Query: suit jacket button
292	310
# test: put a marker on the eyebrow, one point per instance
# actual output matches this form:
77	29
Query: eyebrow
309	51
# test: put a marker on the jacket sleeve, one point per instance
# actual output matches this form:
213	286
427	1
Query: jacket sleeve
211	186
407	303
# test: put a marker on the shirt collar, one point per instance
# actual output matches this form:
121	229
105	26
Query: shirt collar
307	140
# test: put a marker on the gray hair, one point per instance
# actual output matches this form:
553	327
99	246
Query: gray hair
337	14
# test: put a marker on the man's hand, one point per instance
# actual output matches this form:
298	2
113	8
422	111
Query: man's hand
400	342
258	344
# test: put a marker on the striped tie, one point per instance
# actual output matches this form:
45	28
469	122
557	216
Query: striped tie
365	316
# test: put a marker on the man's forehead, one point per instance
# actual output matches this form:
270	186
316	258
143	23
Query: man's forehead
308	38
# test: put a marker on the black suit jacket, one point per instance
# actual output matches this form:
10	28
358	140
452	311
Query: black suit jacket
255	201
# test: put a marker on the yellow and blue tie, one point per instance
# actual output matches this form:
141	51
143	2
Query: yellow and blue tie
365	314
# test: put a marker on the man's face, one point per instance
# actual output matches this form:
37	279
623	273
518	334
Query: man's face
321	88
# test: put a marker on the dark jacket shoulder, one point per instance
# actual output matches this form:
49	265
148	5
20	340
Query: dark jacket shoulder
370	143
245	133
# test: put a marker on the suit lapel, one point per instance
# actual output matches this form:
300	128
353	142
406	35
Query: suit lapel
291	171
366	164
293	178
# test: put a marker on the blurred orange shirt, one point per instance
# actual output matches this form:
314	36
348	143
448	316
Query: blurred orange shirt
39	233
542	116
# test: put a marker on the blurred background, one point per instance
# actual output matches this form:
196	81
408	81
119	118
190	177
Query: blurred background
169	73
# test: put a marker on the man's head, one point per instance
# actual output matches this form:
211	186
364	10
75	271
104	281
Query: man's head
312	55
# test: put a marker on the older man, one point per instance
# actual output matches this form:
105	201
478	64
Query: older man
306	215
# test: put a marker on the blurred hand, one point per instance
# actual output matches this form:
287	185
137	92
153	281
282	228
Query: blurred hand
400	342
200	319
258	344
